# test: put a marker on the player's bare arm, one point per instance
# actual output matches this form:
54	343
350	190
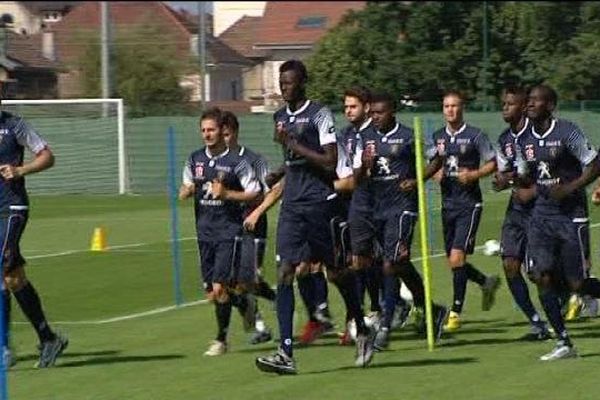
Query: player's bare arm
588	175
269	200
466	176
43	160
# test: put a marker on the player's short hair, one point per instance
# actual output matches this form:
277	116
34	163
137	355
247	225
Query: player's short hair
517	91
455	93
215	114
384	97
549	93
231	121
362	93
297	66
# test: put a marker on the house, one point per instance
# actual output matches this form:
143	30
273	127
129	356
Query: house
287	29
31	17
25	70
227	13
223	79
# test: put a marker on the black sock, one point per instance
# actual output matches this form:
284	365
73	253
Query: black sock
307	293
30	303
374	287
361	285
285	316
520	291
475	275
459	282
591	287
6	315
264	290
550	302
223	313
413	281
346	284
391	293
321	291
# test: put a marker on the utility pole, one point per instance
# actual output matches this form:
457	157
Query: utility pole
202	51
105	52
486	58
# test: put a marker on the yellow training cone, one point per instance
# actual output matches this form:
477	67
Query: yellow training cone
99	240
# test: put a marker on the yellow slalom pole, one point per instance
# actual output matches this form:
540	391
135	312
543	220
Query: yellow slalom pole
423	229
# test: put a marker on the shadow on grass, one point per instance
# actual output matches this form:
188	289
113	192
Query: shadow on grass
478	342
427	362
117	359
31	357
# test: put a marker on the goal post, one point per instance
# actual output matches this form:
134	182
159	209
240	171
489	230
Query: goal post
88	135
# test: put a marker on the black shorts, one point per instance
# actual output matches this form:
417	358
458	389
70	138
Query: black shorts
252	256
393	232
11	230
460	228
513	243
558	245
219	261
305	231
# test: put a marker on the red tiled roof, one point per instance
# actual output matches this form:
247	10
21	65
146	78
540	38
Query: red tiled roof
85	19
27	50
241	36
279	22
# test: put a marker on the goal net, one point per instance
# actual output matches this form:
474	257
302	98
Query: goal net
87	138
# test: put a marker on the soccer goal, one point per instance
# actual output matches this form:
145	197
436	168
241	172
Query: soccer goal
87	137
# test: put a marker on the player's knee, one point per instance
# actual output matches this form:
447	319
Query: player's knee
220	294
389	268
15	279
316	267
457	259
512	267
543	280
360	262
302	269
575	286
285	274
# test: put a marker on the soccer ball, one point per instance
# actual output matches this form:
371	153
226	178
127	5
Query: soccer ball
491	247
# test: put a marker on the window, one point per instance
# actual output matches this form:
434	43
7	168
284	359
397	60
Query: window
312	22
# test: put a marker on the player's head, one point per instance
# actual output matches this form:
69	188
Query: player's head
383	108
357	104
452	106
541	102
514	104
231	128
211	126
292	80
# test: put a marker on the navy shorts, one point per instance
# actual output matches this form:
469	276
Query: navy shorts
251	257
340	232
11	230
460	228
513	243
393	232
219	261
305	231
558	245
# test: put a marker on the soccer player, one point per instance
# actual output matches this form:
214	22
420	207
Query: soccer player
220	181
307	133
254	241
560	162
516	221
458	149
17	135
385	156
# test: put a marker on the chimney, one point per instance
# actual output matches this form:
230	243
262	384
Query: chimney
48	50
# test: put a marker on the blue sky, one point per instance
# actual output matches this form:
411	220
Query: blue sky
190	6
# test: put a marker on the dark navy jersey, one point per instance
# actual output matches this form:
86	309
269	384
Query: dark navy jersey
394	162
260	166
466	148
312	125
346	146
558	156
15	136
216	219
509	159
362	197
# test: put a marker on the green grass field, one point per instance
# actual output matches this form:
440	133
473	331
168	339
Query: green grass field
159	356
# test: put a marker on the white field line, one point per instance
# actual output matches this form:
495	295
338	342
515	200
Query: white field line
161	310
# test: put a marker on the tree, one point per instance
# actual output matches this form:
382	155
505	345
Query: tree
146	74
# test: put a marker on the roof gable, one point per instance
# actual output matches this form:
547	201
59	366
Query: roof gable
301	22
241	36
